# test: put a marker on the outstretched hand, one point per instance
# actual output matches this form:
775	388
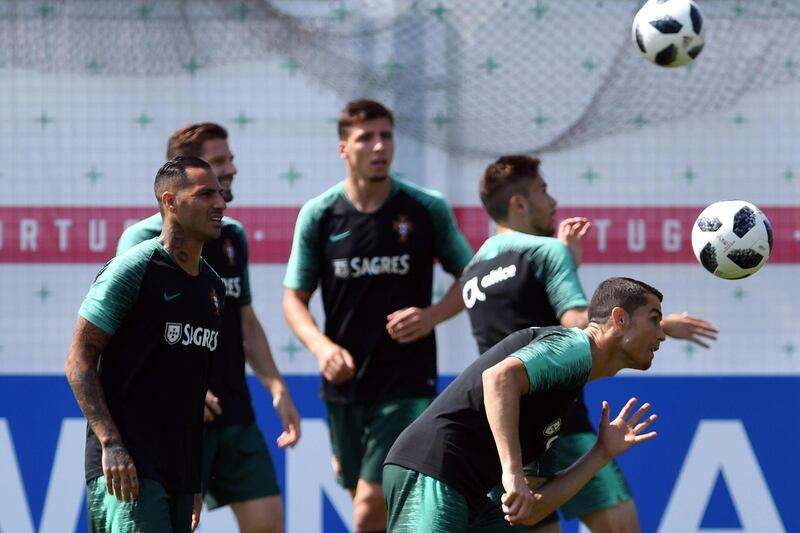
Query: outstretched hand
571	232
690	328
618	436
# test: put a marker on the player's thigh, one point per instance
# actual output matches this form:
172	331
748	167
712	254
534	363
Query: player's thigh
242	468
346	430
416	502
384	423
620	518
154	510
260	515
607	489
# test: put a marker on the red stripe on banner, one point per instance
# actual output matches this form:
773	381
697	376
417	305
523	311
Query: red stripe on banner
643	234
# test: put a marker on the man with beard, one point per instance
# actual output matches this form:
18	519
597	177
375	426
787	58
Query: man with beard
237	467
138	363
523	277
370	242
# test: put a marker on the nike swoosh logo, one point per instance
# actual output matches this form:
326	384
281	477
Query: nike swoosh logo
334	237
170	297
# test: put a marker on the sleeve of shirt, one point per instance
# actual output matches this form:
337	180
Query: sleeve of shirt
560	276
302	271
114	292
246	298
559	360
451	246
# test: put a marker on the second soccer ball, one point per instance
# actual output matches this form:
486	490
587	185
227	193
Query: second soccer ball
670	33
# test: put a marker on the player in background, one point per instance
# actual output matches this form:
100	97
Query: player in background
237	468
370	242
138	363
522	277
507	408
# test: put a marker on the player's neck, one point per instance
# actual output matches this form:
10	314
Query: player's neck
184	249
603	362
512	227
365	194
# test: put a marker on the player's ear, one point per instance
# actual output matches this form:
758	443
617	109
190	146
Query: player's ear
619	317
515	203
168	200
342	149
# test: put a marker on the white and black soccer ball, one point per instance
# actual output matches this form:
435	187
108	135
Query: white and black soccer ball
732	239
670	33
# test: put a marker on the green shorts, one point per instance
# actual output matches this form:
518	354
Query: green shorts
606	489
417	502
155	510
361	436
236	466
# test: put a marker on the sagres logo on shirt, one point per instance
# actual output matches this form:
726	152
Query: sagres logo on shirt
199	336
355	267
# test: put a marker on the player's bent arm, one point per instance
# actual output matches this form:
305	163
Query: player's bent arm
575	318
259	357
503	385
614	438
450	305
298	315
88	341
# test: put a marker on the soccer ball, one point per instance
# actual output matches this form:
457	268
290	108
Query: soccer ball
732	239
670	33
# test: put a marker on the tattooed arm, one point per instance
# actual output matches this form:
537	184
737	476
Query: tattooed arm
88	342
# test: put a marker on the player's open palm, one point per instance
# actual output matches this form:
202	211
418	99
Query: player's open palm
120	473
571	232
625	431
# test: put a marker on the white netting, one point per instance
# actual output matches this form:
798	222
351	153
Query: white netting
478	77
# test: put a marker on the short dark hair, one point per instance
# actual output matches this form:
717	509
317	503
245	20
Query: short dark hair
189	139
172	175
509	175
359	111
627	293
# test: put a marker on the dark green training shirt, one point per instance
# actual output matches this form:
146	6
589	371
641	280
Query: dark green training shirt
228	255
370	265
165	326
452	440
517	280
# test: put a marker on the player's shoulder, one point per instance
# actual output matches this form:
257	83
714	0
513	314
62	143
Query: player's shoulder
232	226
138	232
427	197
135	259
319	203
516	241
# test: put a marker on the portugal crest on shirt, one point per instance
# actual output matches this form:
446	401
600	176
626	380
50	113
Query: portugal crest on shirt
172	333
230	251
215	301
402	226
